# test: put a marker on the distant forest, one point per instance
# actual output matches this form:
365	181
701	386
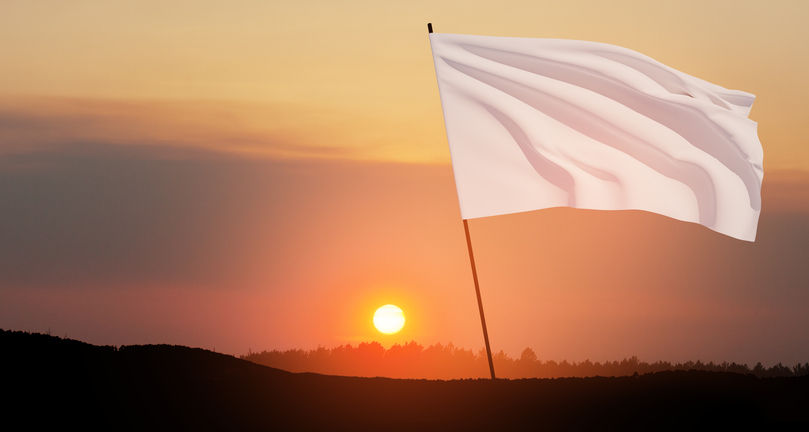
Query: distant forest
438	361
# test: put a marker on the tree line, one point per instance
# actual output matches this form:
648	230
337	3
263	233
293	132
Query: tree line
438	361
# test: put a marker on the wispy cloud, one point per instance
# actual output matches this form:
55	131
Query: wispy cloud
172	130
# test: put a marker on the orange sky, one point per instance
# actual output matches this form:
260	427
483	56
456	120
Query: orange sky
358	75
265	175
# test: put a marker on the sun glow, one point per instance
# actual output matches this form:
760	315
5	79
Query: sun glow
389	319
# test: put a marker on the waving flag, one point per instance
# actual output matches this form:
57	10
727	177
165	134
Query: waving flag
540	123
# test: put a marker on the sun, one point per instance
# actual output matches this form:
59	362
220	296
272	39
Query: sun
389	319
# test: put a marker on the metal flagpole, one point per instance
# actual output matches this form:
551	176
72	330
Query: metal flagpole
475	278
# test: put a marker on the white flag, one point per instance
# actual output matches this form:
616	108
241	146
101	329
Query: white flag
539	123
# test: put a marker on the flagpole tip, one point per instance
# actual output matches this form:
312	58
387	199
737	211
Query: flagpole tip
429	27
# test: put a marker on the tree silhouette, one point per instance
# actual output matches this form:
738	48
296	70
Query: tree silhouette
412	360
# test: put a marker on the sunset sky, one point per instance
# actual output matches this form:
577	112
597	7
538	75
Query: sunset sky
264	175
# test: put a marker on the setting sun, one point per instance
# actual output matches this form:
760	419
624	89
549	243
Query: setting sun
389	319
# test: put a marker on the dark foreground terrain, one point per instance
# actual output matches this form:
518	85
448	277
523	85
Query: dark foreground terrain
51	382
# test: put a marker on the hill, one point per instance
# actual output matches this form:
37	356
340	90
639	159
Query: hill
54	382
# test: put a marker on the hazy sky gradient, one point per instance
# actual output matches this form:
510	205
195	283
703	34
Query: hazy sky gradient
358	75
259	175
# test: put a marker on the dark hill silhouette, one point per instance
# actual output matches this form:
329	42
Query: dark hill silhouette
53	382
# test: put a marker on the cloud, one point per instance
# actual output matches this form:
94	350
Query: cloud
168	130
117	218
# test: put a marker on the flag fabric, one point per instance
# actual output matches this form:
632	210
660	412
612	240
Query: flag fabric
540	123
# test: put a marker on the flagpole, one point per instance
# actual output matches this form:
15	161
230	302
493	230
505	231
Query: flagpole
480	302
